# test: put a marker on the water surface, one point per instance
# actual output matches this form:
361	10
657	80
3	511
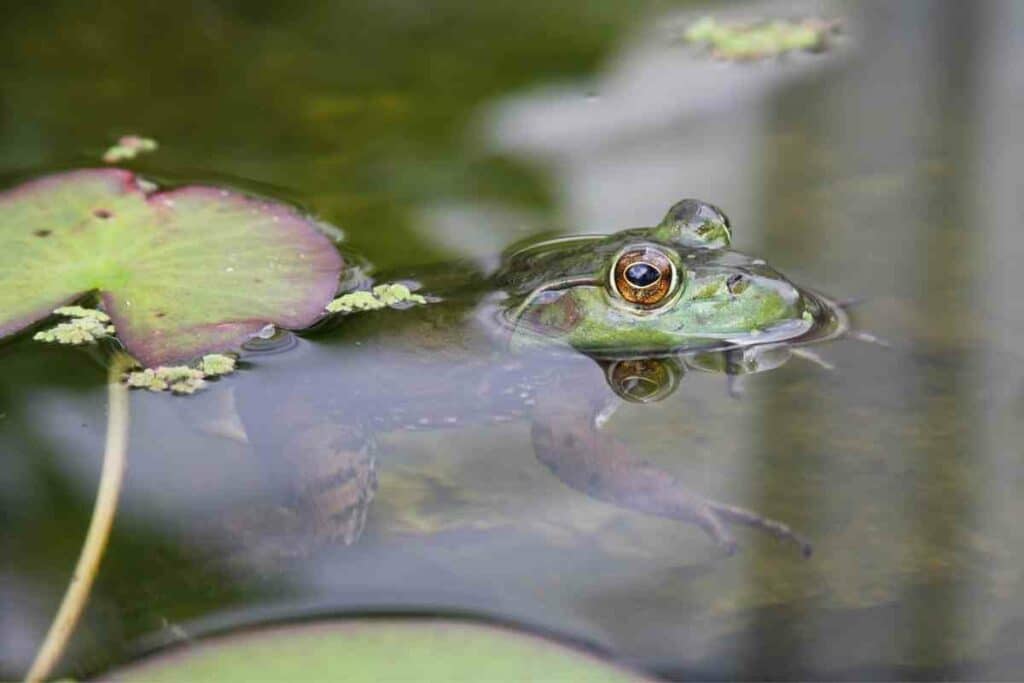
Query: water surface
886	170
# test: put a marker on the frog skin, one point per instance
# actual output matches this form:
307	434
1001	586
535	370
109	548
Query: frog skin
647	304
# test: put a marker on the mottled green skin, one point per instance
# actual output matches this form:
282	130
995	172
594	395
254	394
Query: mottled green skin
560	292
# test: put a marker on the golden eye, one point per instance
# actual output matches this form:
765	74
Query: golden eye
643	380
644	276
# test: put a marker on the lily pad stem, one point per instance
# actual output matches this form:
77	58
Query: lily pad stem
96	538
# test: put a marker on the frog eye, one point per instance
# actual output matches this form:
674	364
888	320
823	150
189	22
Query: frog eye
644	276
643	380
692	222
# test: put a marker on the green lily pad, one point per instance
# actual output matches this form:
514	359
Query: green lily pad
181	273
377	650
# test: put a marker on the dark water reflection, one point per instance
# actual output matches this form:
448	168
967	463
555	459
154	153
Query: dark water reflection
888	170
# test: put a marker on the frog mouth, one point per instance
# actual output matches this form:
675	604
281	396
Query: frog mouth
509	322
825	320
830	319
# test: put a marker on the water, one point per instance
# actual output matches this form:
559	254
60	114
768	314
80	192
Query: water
886	170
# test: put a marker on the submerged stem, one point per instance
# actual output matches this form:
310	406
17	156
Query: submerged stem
79	587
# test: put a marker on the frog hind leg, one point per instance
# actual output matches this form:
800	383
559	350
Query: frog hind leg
780	530
334	480
603	468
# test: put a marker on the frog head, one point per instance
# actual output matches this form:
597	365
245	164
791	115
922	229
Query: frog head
669	289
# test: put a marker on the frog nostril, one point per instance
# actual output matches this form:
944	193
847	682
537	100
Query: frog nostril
736	283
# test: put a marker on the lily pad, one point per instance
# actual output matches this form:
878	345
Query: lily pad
377	650
181	273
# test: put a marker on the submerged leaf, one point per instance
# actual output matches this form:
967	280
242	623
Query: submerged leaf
181	273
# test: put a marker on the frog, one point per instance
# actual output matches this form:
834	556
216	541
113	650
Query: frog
559	334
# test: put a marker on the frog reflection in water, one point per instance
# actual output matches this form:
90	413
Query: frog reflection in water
646	304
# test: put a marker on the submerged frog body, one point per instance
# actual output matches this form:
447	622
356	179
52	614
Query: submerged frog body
646	304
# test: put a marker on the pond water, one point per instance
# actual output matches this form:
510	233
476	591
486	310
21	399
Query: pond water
886	169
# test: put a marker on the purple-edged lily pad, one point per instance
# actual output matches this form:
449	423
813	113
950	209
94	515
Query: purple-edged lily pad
181	273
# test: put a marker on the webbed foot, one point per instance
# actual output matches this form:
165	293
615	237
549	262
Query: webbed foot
738	515
603	468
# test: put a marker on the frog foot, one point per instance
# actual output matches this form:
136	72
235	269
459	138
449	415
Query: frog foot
717	512
603	468
869	338
813	358
860	335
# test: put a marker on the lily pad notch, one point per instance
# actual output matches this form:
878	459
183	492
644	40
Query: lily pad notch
181	273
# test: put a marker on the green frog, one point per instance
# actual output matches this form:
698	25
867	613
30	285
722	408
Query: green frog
559	334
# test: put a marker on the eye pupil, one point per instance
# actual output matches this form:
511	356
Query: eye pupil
642	274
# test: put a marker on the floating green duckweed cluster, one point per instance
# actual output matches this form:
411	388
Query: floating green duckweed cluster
84	326
129	147
213	364
181	379
355	301
740	42
87	325
381	296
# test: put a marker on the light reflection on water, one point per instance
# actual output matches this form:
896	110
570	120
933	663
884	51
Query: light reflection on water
887	171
